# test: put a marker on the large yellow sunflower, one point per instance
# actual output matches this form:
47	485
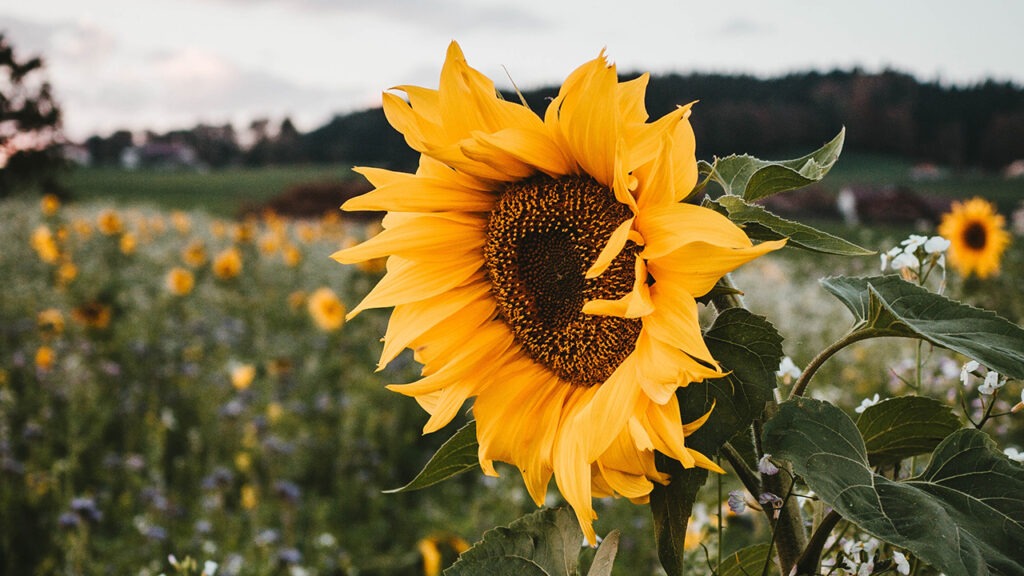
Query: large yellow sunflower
547	267
977	237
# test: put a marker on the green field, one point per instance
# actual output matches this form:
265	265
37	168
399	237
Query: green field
226	192
219	192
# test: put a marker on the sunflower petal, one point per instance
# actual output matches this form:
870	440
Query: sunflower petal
695	267
588	118
408	281
667	227
419	194
423	238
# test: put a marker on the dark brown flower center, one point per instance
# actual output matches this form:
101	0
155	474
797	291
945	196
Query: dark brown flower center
975	236
543	236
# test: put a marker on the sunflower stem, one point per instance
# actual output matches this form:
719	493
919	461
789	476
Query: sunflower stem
789	534
855	335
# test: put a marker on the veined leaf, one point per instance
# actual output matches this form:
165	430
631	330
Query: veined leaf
964	515
752	178
761	224
905	426
891	306
457	455
605	557
749	348
747	562
544	543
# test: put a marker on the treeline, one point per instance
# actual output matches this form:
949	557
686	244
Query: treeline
887	113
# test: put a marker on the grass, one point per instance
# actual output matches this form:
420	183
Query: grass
220	192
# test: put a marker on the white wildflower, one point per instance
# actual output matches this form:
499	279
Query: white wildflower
965	372
936	245
209	568
902	566
913	242
866	403
888	256
1014	454
905	260
788	371
992	383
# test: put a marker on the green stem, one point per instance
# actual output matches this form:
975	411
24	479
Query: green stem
811	558
855	335
746	475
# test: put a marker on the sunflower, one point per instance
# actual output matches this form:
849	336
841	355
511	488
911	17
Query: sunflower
547	267
179	281
977	237
326	309
227	264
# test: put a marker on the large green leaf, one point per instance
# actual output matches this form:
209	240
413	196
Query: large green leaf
891	306
457	455
761	224
752	178
749	561
545	543
749	348
906	426
671	506
964	514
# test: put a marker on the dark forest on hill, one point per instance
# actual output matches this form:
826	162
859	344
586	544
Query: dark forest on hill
890	113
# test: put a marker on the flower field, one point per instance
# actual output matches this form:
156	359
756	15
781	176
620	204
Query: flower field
174	383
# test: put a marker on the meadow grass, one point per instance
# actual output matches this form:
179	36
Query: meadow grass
228	421
221	192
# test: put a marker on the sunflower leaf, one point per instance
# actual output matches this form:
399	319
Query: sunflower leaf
457	455
891	306
905	426
963	515
605	557
671	506
764	225
747	561
544	543
753	178
749	348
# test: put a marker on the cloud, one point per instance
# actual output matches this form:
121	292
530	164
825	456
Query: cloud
76	42
453	15
742	26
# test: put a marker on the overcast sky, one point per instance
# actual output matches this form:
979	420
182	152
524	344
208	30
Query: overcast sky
164	64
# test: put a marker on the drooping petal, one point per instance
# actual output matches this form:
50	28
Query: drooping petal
667	227
408	281
635	304
696	266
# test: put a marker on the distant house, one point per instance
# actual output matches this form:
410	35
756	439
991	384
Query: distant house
160	156
76	154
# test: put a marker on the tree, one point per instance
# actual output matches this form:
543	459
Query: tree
30	123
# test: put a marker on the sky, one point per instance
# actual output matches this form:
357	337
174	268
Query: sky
167	64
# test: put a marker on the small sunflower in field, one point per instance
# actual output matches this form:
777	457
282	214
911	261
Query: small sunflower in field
109	222
227	264
242	376
49	205
326	309
45	357
548	267
194	254
179	281
128	243
977	237
50	322
45	244
92	314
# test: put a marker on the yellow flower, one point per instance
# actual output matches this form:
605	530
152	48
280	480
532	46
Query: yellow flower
243	462
227	264
249	497
82	227
547	267
50	321
270	243
109	223
194	255
66	272
291	255
181	222
274	412
49	204
179	281
93	314
242	376
296	299
127	243
45	357
326	309
45	245
977	237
